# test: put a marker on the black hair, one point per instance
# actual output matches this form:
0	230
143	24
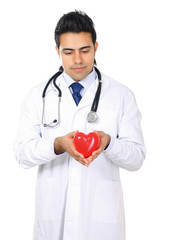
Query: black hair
75	22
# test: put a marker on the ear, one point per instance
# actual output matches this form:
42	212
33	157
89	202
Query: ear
96	46
57	50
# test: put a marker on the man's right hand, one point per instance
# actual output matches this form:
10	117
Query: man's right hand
65	144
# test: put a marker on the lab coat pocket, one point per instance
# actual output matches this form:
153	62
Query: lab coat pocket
47	202
107	202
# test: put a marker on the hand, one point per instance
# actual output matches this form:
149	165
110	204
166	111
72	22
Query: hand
104	142
65	144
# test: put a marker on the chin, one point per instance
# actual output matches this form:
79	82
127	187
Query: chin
78	77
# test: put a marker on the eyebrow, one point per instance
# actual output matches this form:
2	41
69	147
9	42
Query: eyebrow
71	49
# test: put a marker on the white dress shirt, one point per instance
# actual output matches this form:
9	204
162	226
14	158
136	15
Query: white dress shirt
86	82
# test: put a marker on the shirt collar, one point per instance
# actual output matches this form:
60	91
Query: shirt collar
86	82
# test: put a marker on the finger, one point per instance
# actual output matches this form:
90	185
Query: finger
72	134
80	158
99	133
84	162
96	132
78	154
97	152
92	158
76	131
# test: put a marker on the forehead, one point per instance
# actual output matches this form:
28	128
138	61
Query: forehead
75	40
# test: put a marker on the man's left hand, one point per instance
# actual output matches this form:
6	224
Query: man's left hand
104	142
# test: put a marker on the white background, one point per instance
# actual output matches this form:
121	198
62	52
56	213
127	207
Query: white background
137	47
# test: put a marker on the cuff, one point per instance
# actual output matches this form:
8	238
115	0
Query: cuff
46	148
110	145
115	147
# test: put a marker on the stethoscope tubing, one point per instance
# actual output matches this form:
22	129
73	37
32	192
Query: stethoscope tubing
53	78
92	116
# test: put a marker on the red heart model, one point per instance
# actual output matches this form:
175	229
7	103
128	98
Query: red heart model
86	144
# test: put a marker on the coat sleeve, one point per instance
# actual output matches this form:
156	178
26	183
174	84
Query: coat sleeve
127	150
29	147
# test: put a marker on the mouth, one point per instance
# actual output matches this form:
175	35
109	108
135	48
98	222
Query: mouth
78	69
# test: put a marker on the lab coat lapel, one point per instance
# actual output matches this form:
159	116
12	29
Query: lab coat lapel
66	94
86	100
90	93
88	97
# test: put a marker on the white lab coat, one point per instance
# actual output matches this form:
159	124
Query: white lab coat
74	202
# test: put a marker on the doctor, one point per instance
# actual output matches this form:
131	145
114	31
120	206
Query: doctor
78	198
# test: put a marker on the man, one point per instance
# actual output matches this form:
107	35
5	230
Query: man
79	198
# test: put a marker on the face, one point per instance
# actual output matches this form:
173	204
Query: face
77	53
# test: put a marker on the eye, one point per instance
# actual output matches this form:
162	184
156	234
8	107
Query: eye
85	51
68	53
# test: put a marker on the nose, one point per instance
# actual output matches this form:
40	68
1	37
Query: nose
77	58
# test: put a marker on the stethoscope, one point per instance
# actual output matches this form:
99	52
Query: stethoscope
92	115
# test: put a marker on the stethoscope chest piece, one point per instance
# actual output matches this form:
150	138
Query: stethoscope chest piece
92	117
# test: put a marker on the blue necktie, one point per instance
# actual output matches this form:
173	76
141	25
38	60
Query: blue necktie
76	87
